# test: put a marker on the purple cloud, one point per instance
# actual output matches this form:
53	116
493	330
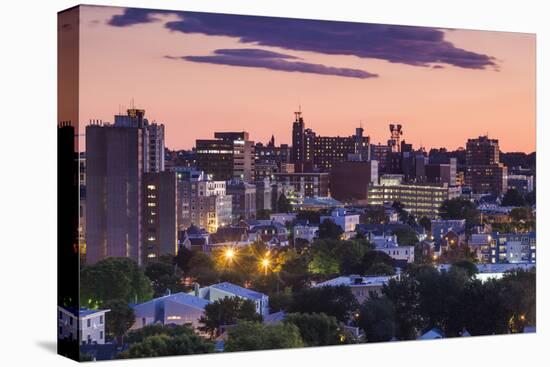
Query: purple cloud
258	58
418	46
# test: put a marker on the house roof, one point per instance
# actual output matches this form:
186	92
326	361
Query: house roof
82	312
356	281
181	298
238	290
434	333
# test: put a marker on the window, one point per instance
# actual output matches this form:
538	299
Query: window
101	319
70	320
101	335
143	321
88	323
60	315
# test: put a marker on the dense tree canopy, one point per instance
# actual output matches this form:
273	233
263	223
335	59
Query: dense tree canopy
113	278
227	311
316	329
119	319
164	277
248	335
330	230
160	340
459	208
333	301
513	197
377	319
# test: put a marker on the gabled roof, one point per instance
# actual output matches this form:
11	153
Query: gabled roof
82	312
181	298
238	290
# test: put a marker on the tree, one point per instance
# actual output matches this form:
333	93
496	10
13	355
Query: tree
202	268
323	261
372	262
246	336
283	205
519	298
406	236
263	214
513	198
160	340
163	277
374	214
403	295
330	230
425	223
460	208
227	311
521	214
119	319
311	216
334	301
376	318
113	278
316	329
182	259
468	266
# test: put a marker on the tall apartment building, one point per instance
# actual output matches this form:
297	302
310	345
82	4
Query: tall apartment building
484	172
322	152
230	155
153	138
243	199
159	214
114	170
202	201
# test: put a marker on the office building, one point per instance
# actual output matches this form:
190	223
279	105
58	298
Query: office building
243	199
160	219
349	180
305	184
230	155
484	172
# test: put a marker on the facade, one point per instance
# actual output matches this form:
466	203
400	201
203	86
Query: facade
86	326
243	199
439	228
223	290
307	184
346	221
484	172
500	248
114	174
322	152
349	180
390	246
264	194
521	183
307	232
202	201
419	199
230	155
177	309
160	214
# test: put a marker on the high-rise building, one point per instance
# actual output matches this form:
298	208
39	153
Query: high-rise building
484	172
314	152
202	202
114	170
243	198
160	217
230	155
349	181
153	138
305	184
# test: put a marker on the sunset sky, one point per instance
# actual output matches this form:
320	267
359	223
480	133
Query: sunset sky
198	73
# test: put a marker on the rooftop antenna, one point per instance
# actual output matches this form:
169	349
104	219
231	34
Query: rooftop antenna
132	103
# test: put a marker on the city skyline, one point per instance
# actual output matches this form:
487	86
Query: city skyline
186	67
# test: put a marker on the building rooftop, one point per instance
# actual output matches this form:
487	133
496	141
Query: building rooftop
182	298
356	281
82	312
238	290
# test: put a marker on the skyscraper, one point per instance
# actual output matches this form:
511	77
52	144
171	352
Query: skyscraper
484	172
230	155
114	170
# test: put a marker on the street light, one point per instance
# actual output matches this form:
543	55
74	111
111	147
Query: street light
229	254
265	265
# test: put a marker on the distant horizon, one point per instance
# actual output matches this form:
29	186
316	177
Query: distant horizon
203	72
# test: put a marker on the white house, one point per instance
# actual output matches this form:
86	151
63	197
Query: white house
390	246
223	290
179	309
92	325
361	287
345	220
307	232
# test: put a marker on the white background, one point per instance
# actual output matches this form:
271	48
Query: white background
28	187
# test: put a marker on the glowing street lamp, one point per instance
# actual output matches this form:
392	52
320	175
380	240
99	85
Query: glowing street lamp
229	254
265	265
